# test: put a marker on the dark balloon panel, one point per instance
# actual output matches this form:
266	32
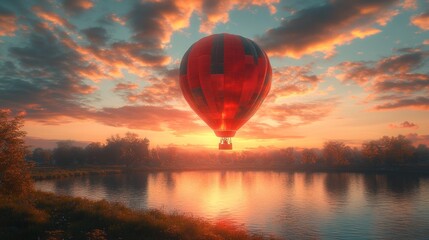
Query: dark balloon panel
225	79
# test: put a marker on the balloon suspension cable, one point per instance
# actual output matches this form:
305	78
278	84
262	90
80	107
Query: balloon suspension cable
225	143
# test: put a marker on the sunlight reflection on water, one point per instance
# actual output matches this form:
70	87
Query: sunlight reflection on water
292	205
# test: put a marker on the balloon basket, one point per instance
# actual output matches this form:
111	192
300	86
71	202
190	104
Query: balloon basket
225	144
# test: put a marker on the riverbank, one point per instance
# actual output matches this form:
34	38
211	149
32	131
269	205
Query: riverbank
48	216
43	173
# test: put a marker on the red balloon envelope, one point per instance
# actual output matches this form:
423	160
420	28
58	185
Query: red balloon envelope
225	78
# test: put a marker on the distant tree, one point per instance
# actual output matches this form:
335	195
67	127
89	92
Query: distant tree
373	153
388	150
309	157
94	153
42	156
421	154
14	171
65	154
289	156
400	150
336	153
129	150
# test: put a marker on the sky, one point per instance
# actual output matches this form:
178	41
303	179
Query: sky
84	70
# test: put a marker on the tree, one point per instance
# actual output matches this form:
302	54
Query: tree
14	171
94	153
336	153
65	154
421	154
388	150
42	156
309	157
129	150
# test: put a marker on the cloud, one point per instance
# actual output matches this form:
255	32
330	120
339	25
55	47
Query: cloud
404	83
152	118
409	4
323	27
421	103
45	79
398	66
421	21
215	12
96	35
274	120
125	86
417	139
292	80
8	22
257	130
162	90
300	113
154	22
77	6
53	18
390	80
115	18
405	124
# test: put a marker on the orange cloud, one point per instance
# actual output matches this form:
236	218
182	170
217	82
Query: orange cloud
324	27
163	89
215	12
125	86
410	4
418	103
405	124
8	24
418	139
390	80
272	121
421	21
52	18
77	6
257	130
292	80
150	118
115	18
398	66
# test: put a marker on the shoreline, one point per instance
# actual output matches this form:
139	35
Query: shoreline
46	173
43	215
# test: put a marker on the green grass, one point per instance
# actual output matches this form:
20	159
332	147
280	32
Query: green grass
49	216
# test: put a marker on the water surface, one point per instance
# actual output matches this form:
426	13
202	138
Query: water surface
287	205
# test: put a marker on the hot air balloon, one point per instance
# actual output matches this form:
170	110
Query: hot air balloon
225	78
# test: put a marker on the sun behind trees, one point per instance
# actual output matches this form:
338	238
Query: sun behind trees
15	178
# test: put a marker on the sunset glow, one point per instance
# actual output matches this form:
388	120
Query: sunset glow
342	70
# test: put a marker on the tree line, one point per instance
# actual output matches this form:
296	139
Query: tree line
131	151
128	150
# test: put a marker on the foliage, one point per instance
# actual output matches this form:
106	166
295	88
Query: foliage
14	175
61	217
336	153
129	150
42	156
388	150
132	151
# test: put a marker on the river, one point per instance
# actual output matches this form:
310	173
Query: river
286	205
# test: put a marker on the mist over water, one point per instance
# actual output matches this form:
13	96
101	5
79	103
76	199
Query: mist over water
288	205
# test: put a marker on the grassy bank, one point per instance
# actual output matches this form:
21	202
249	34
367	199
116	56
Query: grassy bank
42	173
48	216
